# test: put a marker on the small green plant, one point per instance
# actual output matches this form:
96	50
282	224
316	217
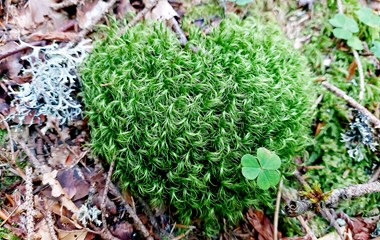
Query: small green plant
346	27
264	167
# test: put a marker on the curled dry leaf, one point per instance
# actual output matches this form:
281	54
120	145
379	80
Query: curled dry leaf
87	14
261	224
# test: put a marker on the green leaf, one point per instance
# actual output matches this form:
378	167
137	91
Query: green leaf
376	49
249	161
241	2
250	173
367	16
263	154
267	159
342	21
272	163
267	179
342	33
355	43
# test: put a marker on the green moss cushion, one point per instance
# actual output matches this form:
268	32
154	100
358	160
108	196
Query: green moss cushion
177	122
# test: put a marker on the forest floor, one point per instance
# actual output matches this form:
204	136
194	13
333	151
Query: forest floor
52	187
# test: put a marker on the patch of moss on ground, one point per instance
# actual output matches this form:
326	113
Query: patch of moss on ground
177	122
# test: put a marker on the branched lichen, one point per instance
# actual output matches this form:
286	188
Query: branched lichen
177	122
54	78
359	135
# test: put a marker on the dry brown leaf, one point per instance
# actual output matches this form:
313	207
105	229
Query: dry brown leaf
10	65
87	14
58	36
58	191
261	224
162	11
73	183
351	70
43	231
72	235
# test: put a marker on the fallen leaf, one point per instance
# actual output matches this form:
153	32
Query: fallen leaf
351	70
43	231
58	191
72	235
87	14
261	224
122	230
162	11
57	36
73	183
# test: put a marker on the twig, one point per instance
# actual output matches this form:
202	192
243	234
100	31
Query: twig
302	206
151	217
139	16
9	216
184	234
308	231
361	74
138	224
87	30
20	49
338	92
104	198
277	212
327	215
177	29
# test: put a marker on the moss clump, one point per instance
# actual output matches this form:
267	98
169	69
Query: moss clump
178	122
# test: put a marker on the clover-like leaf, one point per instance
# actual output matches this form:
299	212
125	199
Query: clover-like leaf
368	17
264	168
241	2
251	167
342	33
355	43
268	178
376	49
344	22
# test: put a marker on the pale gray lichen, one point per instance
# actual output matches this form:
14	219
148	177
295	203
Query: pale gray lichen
88	214
54	77
359	135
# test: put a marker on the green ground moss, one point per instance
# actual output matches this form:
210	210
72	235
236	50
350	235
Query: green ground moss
178	122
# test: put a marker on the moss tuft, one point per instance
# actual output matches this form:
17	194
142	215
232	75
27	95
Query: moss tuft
178	122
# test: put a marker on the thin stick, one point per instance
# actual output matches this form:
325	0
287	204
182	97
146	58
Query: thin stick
177	29
336	196
20	49
87	30
375	176
338	92
138	224
29	202
139	16
277	212
308	231
9	216
361	74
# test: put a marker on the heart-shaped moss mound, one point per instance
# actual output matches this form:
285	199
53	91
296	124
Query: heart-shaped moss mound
178	122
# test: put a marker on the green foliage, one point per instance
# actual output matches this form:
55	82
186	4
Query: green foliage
177	122
355	43
5	234
368	17
264	167
241	2
376	49
344	26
